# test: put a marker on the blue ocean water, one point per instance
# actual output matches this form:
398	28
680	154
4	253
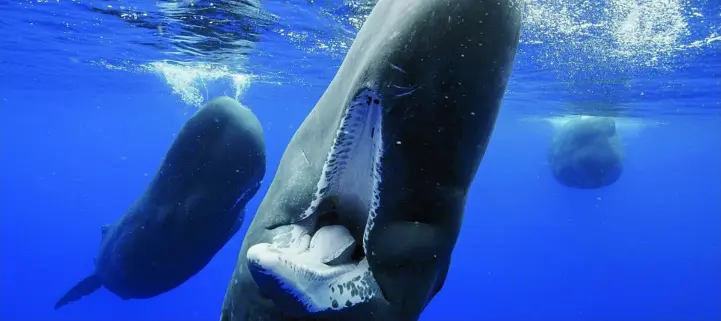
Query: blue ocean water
93	92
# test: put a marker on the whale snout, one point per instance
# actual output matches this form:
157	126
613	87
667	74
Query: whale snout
390	151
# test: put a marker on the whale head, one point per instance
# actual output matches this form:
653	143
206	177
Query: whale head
367	203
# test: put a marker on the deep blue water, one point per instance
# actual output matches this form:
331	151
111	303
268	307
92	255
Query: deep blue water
92	92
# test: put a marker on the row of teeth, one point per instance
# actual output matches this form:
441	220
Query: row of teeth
305	276
338	155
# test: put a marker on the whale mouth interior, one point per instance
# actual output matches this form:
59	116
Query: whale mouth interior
318	262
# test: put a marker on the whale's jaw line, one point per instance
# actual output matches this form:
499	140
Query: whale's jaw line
306	271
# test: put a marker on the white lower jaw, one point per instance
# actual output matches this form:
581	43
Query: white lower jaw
313	285
300	274
299	281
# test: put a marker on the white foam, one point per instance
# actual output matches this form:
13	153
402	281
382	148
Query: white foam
189	81
630	33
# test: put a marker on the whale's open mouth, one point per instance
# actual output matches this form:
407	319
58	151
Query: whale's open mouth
318	262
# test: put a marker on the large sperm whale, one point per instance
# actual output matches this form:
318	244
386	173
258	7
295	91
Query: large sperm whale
364	211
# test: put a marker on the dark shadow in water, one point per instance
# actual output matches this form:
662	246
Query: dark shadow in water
216	30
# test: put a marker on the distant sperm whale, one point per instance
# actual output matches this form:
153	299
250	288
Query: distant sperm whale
192	207
586	153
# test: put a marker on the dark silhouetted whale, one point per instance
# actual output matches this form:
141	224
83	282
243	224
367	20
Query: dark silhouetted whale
191	208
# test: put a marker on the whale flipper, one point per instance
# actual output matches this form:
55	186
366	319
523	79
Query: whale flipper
83	288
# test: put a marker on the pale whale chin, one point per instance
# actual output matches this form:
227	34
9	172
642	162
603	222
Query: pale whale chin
301	274
309	268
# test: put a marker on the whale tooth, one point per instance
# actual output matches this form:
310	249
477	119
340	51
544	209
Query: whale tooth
332	245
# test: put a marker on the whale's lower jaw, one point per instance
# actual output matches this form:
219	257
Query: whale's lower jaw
301	286
309	267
